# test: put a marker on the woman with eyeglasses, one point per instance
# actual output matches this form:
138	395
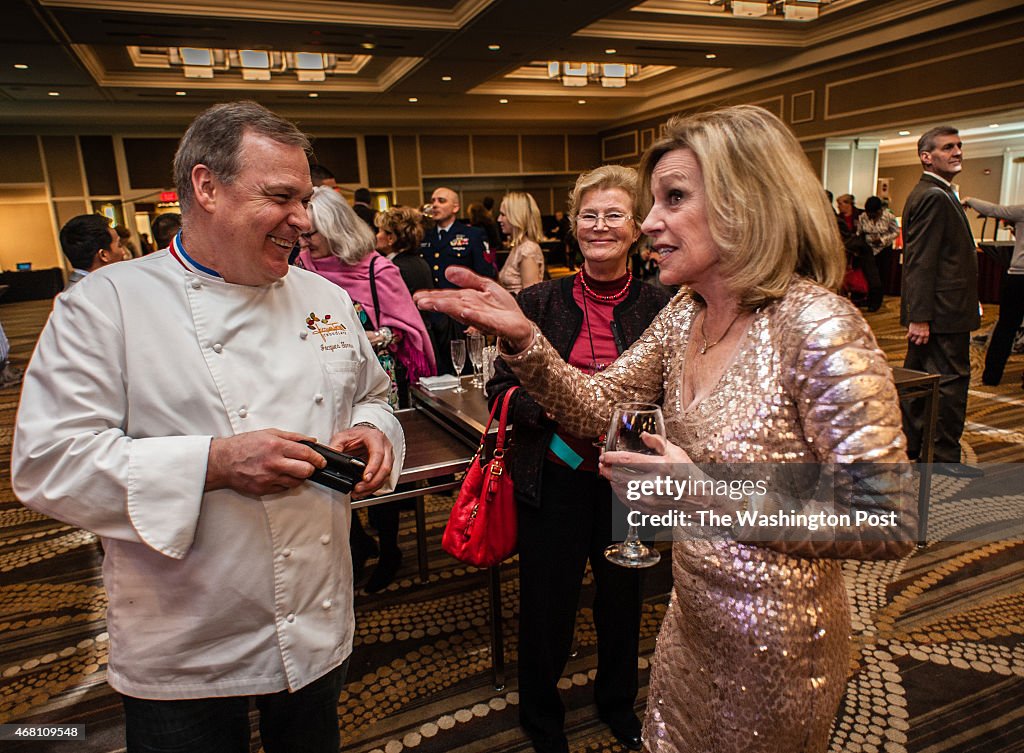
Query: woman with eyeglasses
565	508
519	218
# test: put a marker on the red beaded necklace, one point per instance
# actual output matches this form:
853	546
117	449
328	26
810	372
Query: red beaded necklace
605	298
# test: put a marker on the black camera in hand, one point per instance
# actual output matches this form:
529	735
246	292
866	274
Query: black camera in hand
342	471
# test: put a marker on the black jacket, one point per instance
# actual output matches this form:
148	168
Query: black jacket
552	307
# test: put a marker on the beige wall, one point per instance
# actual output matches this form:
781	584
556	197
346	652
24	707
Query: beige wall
913	82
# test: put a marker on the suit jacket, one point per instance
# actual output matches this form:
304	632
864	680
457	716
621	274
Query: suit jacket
367	214
940	260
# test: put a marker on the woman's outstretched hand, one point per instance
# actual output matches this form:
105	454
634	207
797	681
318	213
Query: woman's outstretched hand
482	303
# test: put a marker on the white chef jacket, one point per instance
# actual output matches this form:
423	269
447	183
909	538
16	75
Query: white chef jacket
141	364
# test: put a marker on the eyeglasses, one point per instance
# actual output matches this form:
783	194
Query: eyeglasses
611	219
307	236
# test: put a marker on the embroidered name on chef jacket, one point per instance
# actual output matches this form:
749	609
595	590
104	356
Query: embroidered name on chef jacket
333	334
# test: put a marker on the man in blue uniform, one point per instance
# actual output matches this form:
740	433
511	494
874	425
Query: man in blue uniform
451	243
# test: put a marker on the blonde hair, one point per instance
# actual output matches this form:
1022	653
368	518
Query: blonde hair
405	223
765	206
600	178
347	236
523	216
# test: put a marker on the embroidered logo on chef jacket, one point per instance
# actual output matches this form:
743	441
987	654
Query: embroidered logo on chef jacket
328	330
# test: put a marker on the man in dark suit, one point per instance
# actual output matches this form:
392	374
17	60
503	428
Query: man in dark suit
361	206
940	295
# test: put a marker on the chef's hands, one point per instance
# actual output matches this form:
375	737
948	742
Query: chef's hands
373	446
260	462
271	461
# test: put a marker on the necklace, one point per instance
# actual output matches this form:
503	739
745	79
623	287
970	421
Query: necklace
706	346
606	298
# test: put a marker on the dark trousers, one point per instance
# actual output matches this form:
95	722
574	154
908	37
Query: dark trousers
868	264
572	525
305	721
1011	314
949	356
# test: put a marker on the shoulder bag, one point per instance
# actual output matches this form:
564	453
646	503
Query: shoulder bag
481	528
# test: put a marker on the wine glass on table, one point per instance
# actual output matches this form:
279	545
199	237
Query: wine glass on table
476	357
629	422
459	361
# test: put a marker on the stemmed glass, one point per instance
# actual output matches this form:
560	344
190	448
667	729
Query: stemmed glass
459	361
629	421
476	357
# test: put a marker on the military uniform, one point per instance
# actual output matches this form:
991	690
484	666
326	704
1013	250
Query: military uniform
461	245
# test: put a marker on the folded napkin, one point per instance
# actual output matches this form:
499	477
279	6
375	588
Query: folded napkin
442	382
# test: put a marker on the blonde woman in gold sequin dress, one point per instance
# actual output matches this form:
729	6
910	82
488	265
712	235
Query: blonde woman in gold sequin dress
757	360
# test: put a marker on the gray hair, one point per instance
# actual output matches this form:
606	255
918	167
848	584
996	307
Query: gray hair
347	236
927	141
215	139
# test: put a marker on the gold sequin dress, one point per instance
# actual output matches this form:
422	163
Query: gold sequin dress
754	648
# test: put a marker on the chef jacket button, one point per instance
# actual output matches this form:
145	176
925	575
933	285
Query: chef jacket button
303	335
318	398
325	539
196	284
286	552
217	347
290	617
242	413
326	604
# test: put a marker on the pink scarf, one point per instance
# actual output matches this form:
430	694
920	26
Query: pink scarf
399	313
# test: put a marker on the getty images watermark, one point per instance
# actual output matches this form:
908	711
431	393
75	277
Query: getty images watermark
863	502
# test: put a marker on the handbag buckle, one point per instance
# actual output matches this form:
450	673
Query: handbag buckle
497	469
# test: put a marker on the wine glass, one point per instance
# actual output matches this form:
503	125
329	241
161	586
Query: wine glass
476	357
459	361
629	421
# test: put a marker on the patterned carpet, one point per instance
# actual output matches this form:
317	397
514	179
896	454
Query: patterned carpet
937	663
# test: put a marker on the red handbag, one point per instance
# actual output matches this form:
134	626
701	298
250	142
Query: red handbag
481	528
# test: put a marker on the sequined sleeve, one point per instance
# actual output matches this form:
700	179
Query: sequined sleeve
850	415
583	403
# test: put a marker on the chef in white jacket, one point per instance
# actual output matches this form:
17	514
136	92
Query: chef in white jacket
161	411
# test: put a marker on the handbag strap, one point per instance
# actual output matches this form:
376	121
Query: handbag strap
373	290
502	421
499	447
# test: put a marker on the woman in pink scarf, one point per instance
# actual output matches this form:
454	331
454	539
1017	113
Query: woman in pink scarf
341	247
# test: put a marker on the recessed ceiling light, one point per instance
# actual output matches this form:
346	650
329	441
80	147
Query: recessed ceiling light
414	99
502	101
313	95
21	66
494	47
610	51
446	78
710	56
180	94
993	125
581	101
54	94
368	45
904	133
